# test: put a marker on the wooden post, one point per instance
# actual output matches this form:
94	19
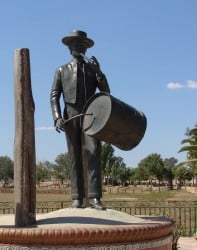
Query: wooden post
24	142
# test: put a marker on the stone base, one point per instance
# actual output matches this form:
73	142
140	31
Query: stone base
88	229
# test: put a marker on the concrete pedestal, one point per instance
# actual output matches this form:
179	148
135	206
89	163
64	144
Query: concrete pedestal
87	229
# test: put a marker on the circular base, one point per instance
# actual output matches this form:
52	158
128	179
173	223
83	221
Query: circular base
89	229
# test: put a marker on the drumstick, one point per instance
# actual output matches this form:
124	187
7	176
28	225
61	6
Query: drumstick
76	116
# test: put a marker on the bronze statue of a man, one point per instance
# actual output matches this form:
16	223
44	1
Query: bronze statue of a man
77	81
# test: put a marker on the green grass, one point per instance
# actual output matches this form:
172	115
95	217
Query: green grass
141	195
150	196
9	197
117	194
157	196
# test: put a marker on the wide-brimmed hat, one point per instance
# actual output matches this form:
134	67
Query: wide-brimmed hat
78	35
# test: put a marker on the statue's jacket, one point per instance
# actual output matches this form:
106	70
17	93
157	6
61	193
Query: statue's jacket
76	88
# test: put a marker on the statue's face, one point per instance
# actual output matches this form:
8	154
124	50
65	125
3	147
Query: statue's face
77	47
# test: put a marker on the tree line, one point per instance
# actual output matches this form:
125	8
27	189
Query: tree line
115	171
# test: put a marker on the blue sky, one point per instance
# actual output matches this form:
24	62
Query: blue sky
146	48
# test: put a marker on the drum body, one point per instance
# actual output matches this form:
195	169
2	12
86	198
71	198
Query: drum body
113	121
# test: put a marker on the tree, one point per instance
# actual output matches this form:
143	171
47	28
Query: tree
107	153
43	171
6	169
191	150
154	165
124	175
133	175
118	174
183	173
141	173
62	167
169	170
192	147
114	175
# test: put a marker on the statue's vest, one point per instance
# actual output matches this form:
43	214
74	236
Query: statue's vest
68	77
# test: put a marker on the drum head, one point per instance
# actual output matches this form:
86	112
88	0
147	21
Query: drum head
100	107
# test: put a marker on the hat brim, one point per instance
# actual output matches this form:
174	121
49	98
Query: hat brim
70	39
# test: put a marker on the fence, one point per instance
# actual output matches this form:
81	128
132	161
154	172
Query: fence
183	213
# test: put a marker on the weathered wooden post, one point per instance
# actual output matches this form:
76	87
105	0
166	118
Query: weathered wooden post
24	143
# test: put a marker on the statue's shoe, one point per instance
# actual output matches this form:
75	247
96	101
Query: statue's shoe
96	203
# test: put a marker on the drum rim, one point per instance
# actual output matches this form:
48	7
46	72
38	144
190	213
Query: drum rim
88	104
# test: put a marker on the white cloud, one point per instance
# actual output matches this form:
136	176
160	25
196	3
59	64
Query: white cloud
176	85
191	84
44	128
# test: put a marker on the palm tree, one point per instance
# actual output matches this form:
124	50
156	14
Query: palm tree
191	149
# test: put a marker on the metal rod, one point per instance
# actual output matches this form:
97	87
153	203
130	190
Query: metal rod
76	116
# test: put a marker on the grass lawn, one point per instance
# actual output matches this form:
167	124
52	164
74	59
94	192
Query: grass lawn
117	193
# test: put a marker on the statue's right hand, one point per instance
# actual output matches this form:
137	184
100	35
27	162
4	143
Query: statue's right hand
60	125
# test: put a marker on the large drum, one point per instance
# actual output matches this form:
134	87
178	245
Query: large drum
113	121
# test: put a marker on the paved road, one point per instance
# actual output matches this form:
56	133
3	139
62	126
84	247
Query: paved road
187	243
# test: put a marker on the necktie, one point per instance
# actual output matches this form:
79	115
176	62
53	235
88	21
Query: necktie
78	71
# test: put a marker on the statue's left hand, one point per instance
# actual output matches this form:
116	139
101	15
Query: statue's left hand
95	65
60	125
